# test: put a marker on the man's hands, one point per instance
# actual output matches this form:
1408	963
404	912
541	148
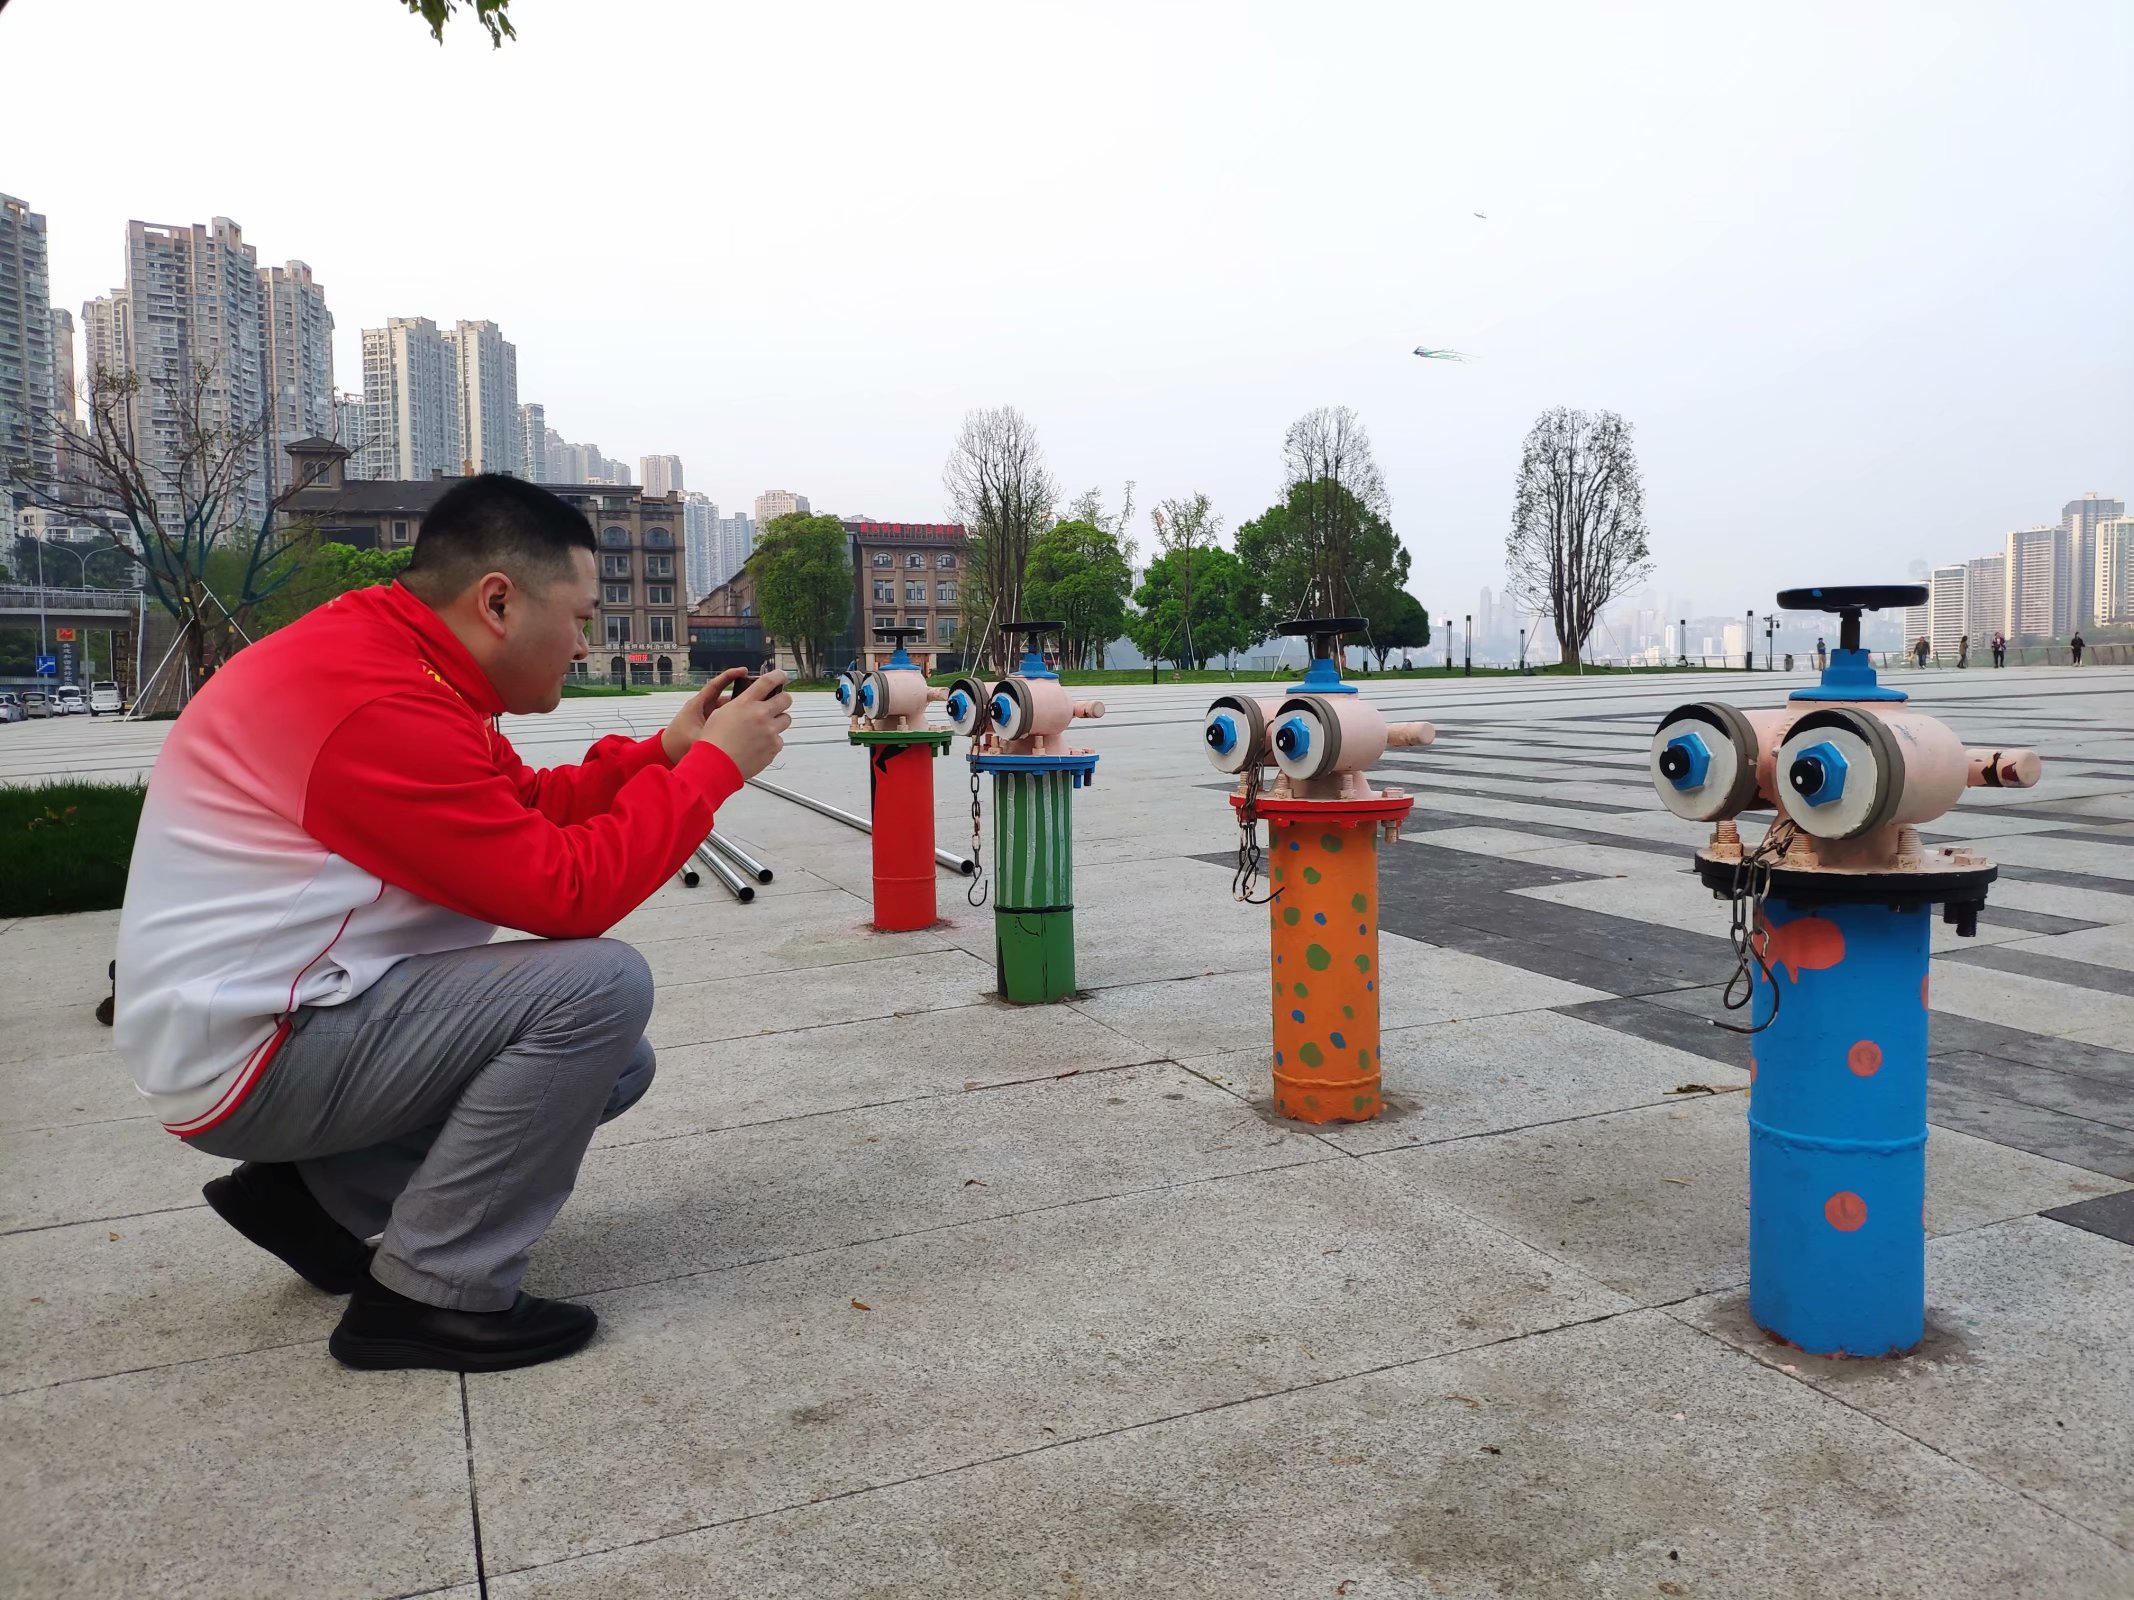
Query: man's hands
750	728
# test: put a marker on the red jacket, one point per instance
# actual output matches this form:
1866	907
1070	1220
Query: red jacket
339	798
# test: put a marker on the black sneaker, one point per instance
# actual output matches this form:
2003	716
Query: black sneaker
385	1329
267	1202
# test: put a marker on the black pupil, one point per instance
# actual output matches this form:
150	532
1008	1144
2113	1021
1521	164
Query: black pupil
1807	775
1215	736
1287	740
1674	764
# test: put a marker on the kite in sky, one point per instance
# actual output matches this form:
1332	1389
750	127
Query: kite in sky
1428	354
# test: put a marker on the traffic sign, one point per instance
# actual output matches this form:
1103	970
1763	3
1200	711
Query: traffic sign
47	667
63	635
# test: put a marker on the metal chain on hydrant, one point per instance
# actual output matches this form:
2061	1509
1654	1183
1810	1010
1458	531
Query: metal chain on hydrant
976	894
1752	883
1248	844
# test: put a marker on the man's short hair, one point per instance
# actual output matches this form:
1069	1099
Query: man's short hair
493	523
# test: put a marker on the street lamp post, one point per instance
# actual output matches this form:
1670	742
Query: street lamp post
1682	639
1770	634
1470	672
1448	642
1748	638
1522	652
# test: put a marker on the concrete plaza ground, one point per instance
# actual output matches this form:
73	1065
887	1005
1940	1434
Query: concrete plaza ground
905	1293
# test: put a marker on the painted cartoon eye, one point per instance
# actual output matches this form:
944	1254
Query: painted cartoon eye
1013	712
1703	761
967	706
1305	737
1235	734
1840	773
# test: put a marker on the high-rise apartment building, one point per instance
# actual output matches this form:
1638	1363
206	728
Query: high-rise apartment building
106	347
1986	598
736	543
1948	608
486	395
410	401
196	338
2040	583
348	426
780	503
2080	518
66	399
660	474
700	544
26	398
533	442
297	351
2112	574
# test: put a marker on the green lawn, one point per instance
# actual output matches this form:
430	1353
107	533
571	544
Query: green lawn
65	846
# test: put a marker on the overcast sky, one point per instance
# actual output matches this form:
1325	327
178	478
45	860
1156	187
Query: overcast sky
1857	274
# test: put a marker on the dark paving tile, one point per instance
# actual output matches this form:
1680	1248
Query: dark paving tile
1948	1033
2058	969
2067	880
1559	831
2071	1094
2077	1141
2090	835
1412	776
2032	921
2110	1214
1660	1024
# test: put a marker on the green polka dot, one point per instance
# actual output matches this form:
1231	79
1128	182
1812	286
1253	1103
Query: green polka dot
1363	1059
1359	902
1317	958
1363	963
1330	844
1291	916
1362	1104
1302	992
1348	1011
1277	874
1310	1054
1311	874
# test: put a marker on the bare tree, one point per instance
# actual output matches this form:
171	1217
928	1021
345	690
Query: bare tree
207	554
1331	480
1578	537
997	481
1183	529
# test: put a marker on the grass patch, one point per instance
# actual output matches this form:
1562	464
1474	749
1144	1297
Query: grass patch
65	846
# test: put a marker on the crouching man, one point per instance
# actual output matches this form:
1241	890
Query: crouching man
333	832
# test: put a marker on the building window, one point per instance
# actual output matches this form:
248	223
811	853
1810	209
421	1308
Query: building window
614	566
882	558
659	538
662	630
659	594
659	566
615	538
948	630
615	594
915	592
400	533
618	631
914	558
947	591
946	561
885	622
885	591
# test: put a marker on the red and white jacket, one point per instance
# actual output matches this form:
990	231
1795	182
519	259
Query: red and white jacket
338	798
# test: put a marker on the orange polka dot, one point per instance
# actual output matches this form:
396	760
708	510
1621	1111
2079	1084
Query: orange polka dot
1845	1211
1922	993
1865	1058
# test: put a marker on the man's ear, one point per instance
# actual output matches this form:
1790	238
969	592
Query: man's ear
494	593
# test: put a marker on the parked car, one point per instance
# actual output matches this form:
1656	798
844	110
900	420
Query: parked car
69	701
10	706
103	697
36	703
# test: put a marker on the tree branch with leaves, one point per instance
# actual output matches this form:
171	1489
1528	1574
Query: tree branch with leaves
998	483
1578	538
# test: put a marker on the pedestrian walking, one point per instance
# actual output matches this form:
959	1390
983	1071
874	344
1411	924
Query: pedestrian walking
1963	650
2000	649
1822	654
2074	648
1920	649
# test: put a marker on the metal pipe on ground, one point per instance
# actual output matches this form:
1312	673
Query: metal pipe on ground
688	875
738	856
947	858
736	885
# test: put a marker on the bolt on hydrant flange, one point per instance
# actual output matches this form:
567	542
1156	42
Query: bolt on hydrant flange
1324	822
1836	903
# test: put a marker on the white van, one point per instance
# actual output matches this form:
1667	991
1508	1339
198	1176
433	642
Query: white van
103	697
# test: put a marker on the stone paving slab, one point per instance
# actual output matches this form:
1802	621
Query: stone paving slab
58	1091
1653	1201
733	1394
1607	1459
2014	1378
52	1176
265	1474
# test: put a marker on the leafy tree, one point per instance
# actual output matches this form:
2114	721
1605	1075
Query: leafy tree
1399	622
804	586
1578	537
1079	574
1226	608
325	569
1282	549
1327	456
489	13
